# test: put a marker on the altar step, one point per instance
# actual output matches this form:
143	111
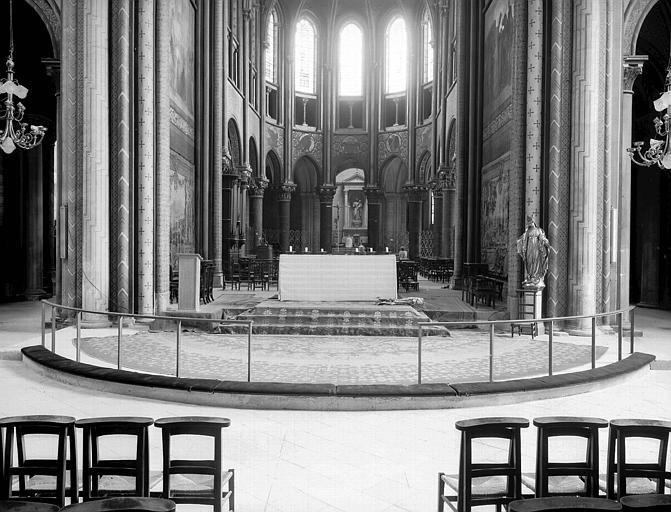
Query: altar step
350	319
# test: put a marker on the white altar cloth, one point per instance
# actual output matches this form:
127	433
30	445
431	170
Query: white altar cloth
331	277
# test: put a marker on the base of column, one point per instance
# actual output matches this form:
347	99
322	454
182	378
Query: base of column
218	280
93	321
35	294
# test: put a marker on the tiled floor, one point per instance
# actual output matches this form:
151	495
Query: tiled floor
336	461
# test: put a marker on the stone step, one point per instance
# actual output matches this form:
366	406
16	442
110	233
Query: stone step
336	330
301	318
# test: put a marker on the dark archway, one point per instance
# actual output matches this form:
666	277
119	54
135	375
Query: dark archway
650	281
304	226
271	212
28	177
394	228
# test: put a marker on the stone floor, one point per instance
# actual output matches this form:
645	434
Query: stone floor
375	461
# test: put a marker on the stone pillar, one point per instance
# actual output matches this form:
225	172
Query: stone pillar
534	112
245	173
559	128
229	177
415	194
162	190
217	140
94	151
145	157
256	190
586	164
449	182
326	194
437	226
374	196
53	69
120	151
284	198
32	166
633	67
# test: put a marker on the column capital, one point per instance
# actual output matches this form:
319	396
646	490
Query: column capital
257	187
244	172
373	194
436	186
447	177
633	66
415	192
326	193
285	190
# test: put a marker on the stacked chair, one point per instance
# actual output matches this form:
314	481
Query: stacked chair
109	481
567	485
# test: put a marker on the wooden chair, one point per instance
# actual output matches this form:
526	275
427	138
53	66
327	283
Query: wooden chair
564	504
579	478
485	483
123	504
194	474
36	475
105	477
645	477
646	503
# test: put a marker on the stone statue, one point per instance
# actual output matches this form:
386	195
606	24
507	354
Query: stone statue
356	215
534	249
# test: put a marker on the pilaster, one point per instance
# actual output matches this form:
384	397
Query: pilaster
534	114
284	193
415	195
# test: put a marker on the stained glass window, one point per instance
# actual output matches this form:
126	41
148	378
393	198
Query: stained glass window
396	57
271	47
305	56
427	48
350	66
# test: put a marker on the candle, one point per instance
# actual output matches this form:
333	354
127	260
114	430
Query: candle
321	250
386	249
356	249
306	249
291	248
371	249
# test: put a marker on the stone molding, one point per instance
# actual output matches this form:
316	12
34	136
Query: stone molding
285	190
633	67
326	193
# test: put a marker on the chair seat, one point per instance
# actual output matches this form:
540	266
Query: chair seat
566	503
123	504
569	484
635	485
482	486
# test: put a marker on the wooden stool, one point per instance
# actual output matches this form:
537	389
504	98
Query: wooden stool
650	476
96	469
27	506
502	481
194	491
579	478
21	426
565	504
647	502
123	504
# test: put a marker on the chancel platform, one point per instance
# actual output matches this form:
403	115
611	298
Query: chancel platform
334	278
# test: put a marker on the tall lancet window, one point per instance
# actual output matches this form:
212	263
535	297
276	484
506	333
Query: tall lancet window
305	74
396	72
426	86
270	64
350	77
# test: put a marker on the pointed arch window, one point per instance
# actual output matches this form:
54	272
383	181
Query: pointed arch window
305	74
426	86
271	63
306	46
350	77
396	73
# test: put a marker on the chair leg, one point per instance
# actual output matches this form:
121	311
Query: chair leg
441	492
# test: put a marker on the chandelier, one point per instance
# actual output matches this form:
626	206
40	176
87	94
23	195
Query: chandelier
13	132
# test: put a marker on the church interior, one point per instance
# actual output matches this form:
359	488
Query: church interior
356	228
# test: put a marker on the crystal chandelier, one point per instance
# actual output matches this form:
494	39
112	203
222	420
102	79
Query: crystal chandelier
13	132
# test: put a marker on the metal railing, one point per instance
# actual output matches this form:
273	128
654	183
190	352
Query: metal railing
551	321
121	316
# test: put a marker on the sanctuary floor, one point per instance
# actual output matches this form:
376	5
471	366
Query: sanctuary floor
376	461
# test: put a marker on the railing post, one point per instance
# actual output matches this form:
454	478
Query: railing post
631	332
491	352
119	335
249	352
550	340
79	335
419	355
53	329
42	330
179	340
619	336
593	342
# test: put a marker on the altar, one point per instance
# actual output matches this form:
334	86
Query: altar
329	277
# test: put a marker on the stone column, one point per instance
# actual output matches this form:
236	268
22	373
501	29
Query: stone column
245	173
437	226
145	157
449	182
284	198
557	175
633	67
326	194
32	166
586	163
120	151
534	113
217	140
229	177
53	69
256	190
162	190
415	194
94	171
374	196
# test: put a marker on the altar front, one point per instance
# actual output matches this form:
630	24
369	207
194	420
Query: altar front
328	277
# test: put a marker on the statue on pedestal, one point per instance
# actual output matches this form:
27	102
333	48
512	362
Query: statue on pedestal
356	214
534	249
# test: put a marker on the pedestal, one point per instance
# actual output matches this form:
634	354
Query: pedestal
535	296
189	281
